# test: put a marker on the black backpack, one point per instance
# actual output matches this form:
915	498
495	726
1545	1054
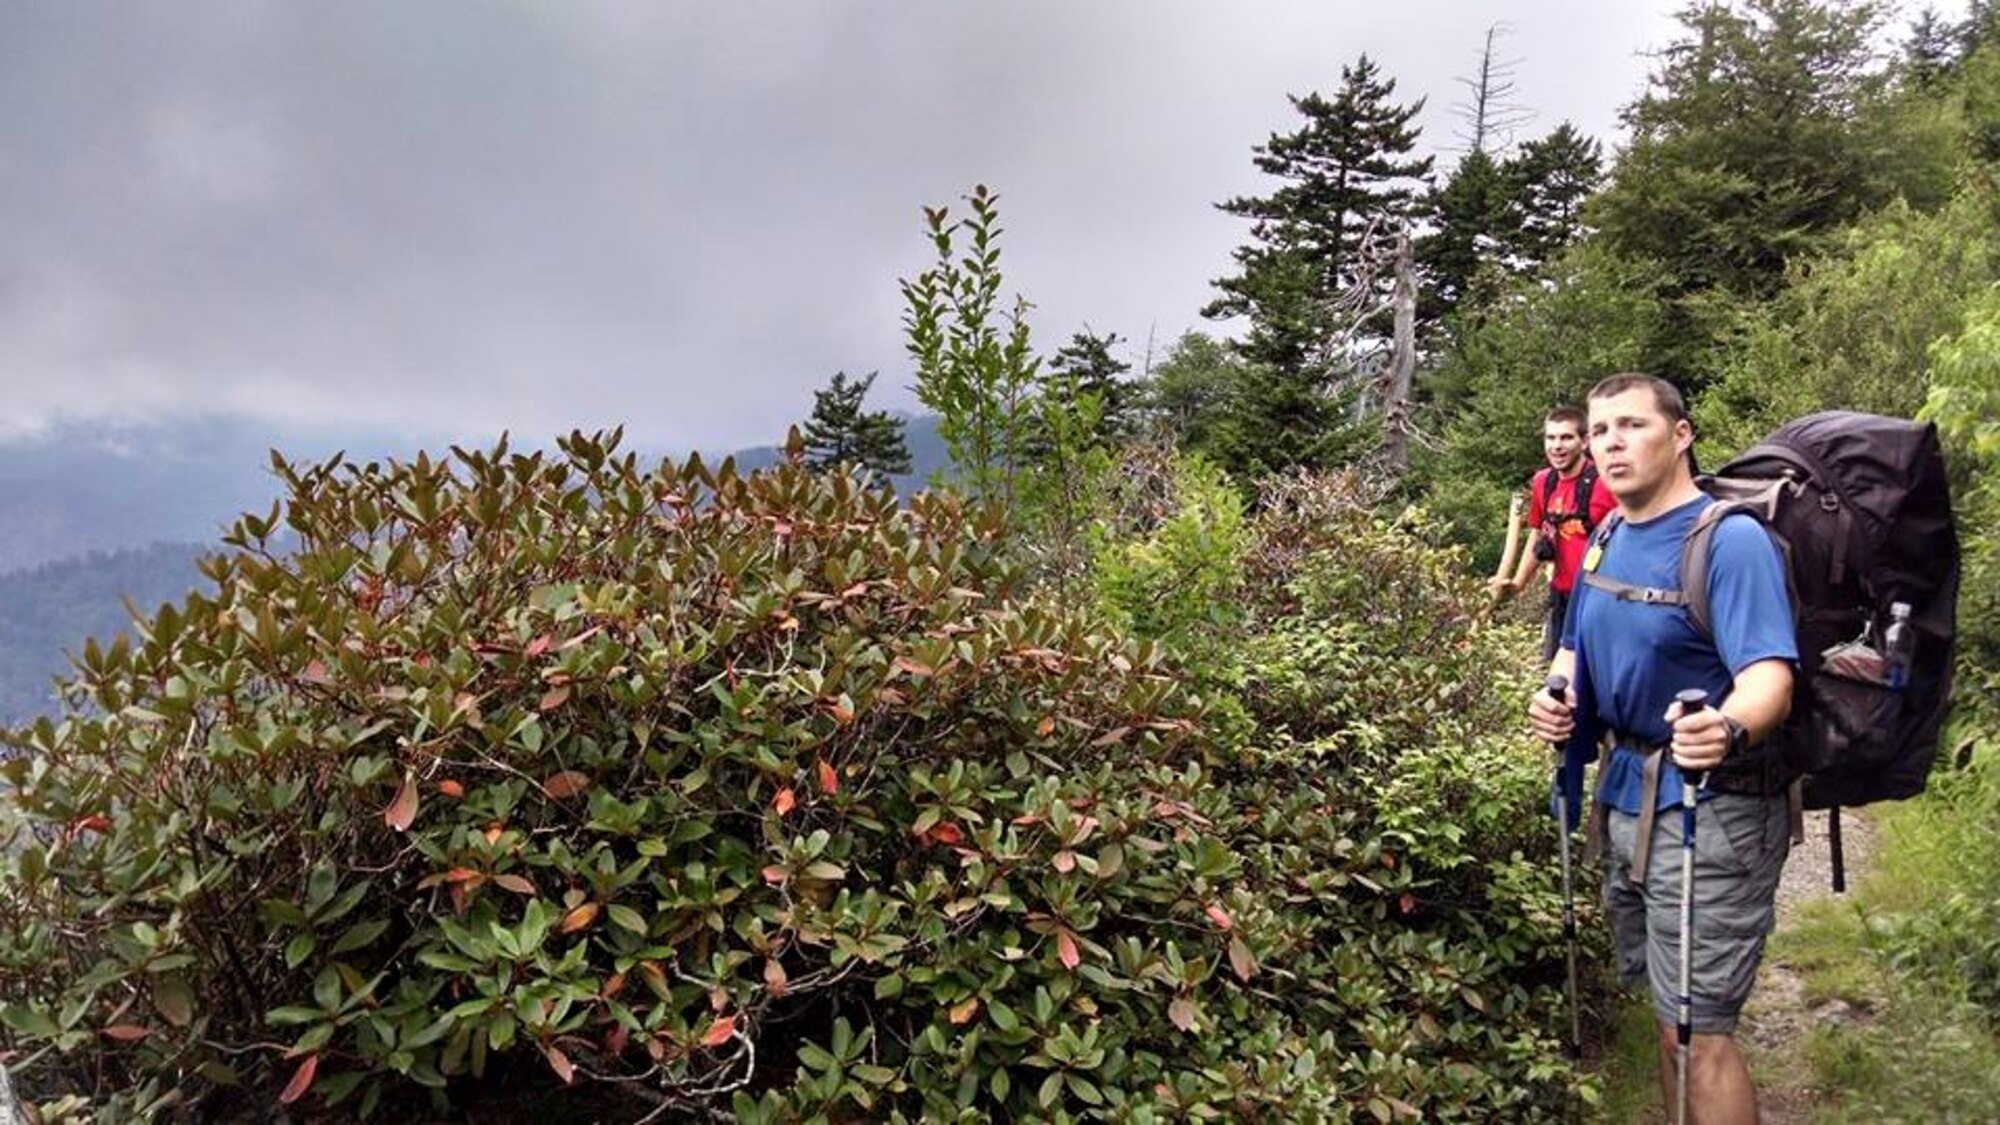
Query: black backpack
1582	483
1859	506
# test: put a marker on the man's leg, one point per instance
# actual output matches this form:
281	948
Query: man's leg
1719	1087
1552	625
1740	850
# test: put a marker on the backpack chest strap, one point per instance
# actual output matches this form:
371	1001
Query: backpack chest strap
1626	592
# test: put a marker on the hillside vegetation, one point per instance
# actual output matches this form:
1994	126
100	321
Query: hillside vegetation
1168	767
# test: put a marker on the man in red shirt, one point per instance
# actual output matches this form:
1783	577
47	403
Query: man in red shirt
1564	503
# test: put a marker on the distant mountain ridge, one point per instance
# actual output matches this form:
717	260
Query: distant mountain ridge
78	489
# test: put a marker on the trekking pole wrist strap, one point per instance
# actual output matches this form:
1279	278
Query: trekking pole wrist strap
1739	736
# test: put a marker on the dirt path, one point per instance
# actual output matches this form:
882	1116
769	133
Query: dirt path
1775	1022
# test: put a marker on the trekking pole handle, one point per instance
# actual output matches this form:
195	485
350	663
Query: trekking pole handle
1692	700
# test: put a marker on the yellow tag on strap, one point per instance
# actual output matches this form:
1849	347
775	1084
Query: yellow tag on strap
1592	557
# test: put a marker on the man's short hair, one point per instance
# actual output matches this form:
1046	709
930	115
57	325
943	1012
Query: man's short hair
1666	396
1573	415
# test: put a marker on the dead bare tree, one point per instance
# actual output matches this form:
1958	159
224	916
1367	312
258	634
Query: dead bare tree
1490	117
1380	371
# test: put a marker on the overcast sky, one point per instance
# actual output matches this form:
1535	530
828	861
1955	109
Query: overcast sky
453	218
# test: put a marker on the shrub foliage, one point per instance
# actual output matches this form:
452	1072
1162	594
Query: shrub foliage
764	797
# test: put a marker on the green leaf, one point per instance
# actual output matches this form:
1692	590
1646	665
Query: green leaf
359	936
292	1015
627	918
28	1021
298	949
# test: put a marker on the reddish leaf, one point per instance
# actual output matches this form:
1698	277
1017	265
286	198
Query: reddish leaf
946	833
1181	1013
720	1031
538	646
1112	737
892	697
315	673
613	986
855	591
1389	860
1066	949
1408	903
1064	861
566	784
1047	726
402	811
302	1080
451	788
774	978
492	834
555	697
126	1032
616	1039
579	918
829	781
841	715
965	1010
914	668
95	822
1240	958
1220	917
776	875
463	875
516	883
785	801
559	1063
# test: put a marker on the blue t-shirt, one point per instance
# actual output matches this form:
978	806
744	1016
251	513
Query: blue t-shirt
1641	655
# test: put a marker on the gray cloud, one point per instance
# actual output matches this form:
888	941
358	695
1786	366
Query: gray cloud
455	218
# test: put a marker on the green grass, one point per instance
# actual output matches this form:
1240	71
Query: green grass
1630	1065
1909	949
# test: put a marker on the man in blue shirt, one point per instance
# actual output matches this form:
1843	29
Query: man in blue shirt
1628	657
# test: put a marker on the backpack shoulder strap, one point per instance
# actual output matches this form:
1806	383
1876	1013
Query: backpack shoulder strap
1760	504
1586	482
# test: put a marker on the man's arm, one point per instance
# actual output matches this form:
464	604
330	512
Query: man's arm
1760	698
1525	573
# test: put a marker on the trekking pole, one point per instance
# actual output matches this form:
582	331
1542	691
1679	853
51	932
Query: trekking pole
1691	700
1558	687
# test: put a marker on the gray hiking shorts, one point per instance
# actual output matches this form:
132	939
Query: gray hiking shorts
1740	848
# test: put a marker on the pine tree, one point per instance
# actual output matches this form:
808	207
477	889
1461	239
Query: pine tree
1550	178
1087	364
1346	166
1476	219
841	433
1746	148
1752	145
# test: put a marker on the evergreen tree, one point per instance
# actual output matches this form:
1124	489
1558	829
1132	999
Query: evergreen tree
841	433
1550	177
1496	219
1476	218
1088	367
1931	52
1348	164
1746	147
1191	391
1750	146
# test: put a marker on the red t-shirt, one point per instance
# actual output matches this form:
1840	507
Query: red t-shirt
1569	534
